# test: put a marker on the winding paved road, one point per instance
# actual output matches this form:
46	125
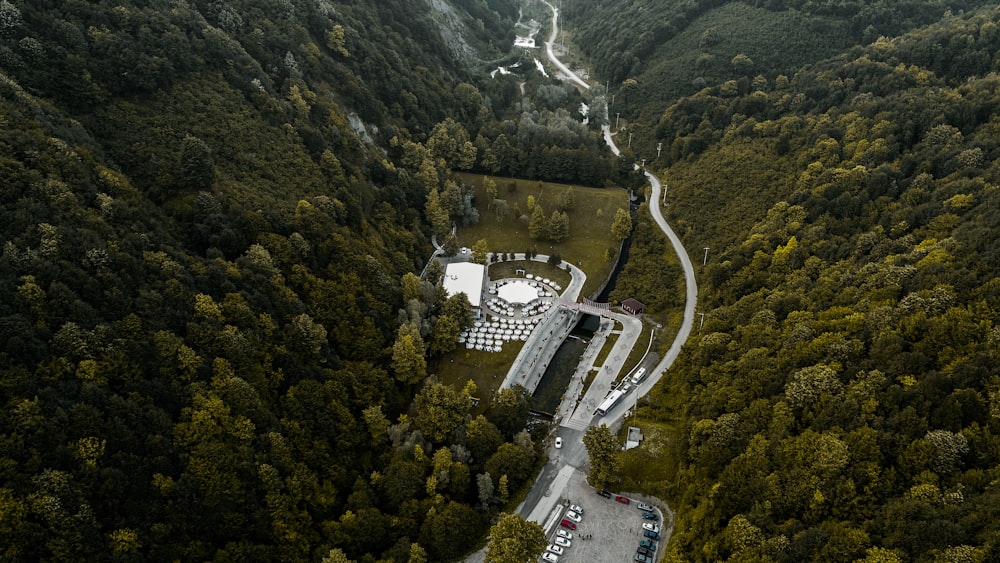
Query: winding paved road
552	56
691	285
540	503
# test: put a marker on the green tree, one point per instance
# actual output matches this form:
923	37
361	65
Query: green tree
538	226
197	169
480	250
335	40
491	188
445	335
408	359
482	438
514	540
508	410
602	448
417	554
622	225
378	424
558	226
440	409
436	214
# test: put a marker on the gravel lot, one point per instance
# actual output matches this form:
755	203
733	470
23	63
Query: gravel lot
615	529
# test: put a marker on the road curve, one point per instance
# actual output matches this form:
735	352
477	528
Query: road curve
552	56
690	284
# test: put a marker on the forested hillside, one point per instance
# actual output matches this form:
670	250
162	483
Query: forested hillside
212	342
654	52
842	400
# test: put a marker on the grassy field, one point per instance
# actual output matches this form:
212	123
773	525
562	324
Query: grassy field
500	270
589	223
649	467
486	369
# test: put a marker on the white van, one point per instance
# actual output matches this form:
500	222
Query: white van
639	376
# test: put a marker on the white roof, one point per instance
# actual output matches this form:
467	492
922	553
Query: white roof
518	292
467	278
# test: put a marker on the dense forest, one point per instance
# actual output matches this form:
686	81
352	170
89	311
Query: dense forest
842	400
213	345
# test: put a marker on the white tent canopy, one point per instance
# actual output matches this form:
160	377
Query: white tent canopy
518	292
467	278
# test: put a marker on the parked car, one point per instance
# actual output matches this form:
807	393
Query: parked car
567	524
644	551
605	494
576	508
622	499
564	534
563	541
550	557
626	388
644	507
573	516
642	558
554	549
650	516
558	442
650	526
648	544
651	535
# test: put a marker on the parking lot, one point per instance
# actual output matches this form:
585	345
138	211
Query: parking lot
610	531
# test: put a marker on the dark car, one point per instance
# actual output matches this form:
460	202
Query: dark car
605	494
644	551
622	499
648	544
650	516
568	524
651	535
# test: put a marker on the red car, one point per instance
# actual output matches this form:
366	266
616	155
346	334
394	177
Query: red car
621	499
568	524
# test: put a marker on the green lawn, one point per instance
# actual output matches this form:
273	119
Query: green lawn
486	369
501	270
590	221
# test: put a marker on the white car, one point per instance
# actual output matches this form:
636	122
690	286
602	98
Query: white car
574	516
576	508
651	527
554	549
644	507
626	388
563	542
550	557
558	443
564	534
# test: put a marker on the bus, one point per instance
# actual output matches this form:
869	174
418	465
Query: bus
639	376
609	402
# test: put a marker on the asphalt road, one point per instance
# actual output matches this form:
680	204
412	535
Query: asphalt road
546	499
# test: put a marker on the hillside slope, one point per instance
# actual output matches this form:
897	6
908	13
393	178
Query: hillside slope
208	242
841	400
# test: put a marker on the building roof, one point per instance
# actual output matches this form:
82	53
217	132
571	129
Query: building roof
467	278
633	304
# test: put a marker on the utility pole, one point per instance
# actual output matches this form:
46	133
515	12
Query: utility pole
617	115
705	261
644	163
702	321
659	147
629	139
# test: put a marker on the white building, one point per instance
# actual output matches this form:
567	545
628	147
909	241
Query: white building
467	278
